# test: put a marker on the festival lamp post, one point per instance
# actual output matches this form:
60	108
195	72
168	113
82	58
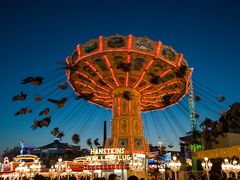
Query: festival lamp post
22	170
35	168
59	167
161	168
175	165
137	163
52	172
206	165
68	171
162	171
226	166
134	163
235	168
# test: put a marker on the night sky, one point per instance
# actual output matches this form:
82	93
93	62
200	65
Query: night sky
36	35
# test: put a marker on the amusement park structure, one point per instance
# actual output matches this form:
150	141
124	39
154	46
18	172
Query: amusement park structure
129	75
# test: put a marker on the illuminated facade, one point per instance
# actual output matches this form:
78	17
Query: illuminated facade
129	75
126	125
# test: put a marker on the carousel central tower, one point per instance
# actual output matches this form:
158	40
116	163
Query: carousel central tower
129	75
126	125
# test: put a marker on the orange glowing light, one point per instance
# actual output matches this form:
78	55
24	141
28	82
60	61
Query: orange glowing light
129	42
79	50
159	45
165	72
109	65
95	70
180	60
127	78
84	75
100	43
149	64
78	82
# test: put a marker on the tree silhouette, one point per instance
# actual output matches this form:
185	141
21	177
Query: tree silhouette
75	138
96	143
89	142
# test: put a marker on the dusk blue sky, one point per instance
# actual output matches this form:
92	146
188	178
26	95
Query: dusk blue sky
36	35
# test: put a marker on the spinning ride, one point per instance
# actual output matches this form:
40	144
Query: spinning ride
129	75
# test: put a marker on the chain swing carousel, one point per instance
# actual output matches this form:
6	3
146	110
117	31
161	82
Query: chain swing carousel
129	75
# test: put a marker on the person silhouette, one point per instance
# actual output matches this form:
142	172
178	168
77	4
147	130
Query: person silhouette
133	177
21	147
112	177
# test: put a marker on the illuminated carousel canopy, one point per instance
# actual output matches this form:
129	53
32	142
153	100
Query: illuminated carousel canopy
129	75
159	73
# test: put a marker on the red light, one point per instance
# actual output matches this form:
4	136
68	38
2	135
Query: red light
92	81
140	79
165	72
79	50
110	66
159	45
129	42
100	43
127	76
95	70
180	60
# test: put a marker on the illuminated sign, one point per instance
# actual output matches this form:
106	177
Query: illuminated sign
25	156
109	158
107	151
108	154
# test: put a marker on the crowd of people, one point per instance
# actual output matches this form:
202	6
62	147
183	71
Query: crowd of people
115	177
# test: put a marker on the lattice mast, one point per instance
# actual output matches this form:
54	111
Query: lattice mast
191	104
192	112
